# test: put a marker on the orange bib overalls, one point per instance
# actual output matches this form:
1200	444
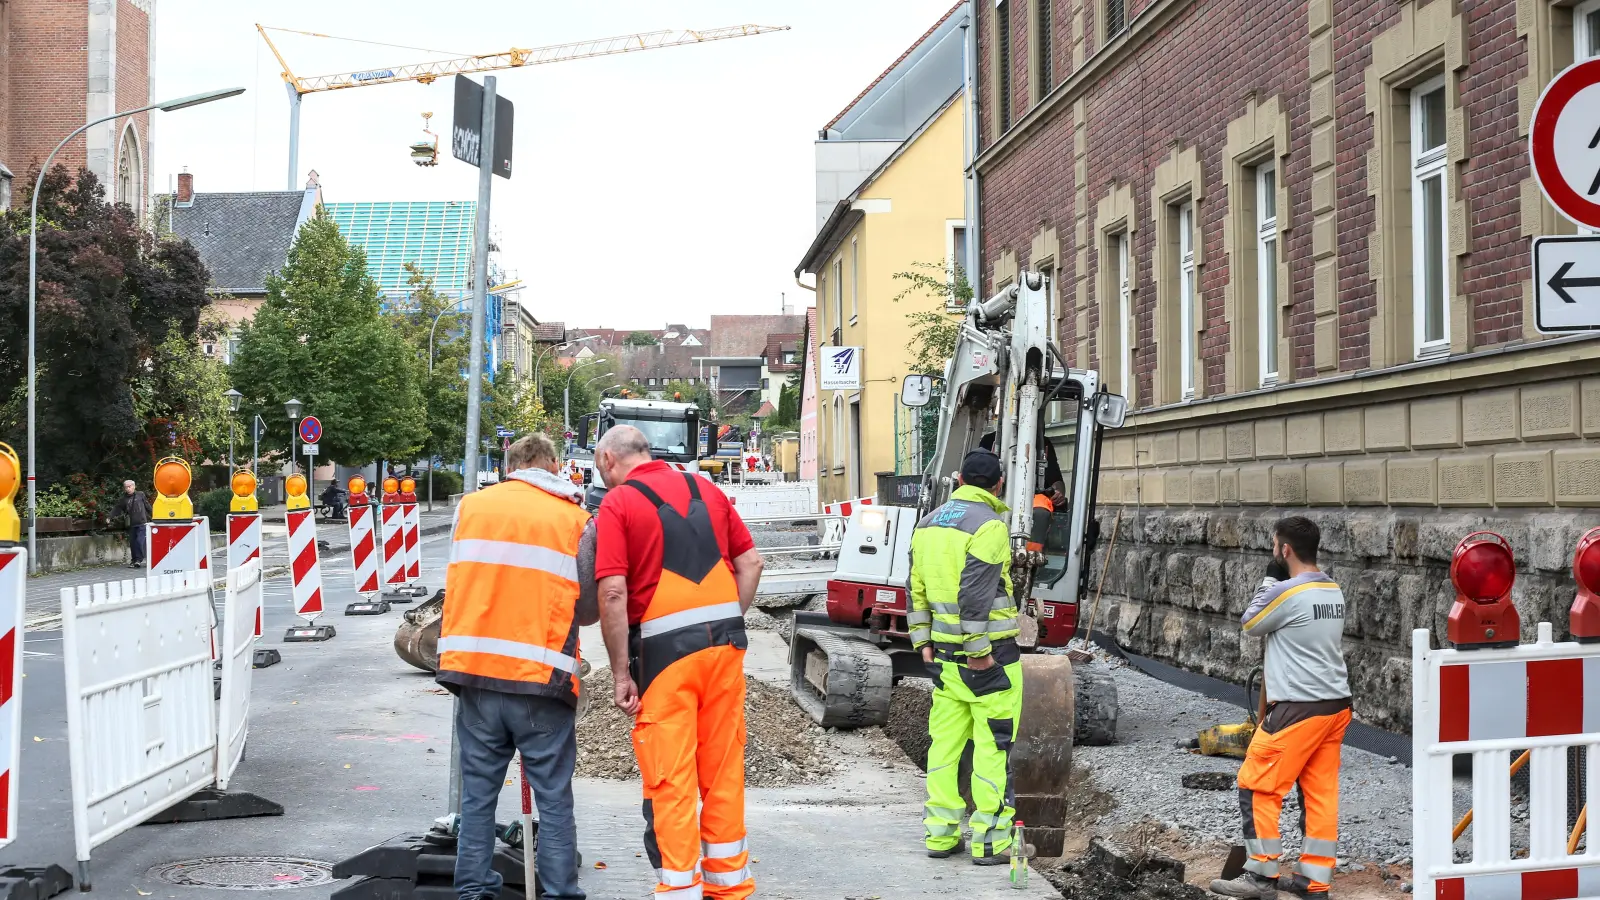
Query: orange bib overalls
687	655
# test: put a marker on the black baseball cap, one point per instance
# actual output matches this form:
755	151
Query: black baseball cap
981	468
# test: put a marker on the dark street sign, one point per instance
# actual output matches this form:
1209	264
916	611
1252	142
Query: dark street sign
466	135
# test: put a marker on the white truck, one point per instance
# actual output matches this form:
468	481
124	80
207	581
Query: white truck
673	430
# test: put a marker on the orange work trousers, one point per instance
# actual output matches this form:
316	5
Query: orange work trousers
1306	752
689	739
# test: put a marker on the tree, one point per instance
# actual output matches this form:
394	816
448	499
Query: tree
119	379
698	394
787	416
321	337
510	403
639	339
933	330
444	389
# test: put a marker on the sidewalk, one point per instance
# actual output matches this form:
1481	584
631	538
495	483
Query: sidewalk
44	591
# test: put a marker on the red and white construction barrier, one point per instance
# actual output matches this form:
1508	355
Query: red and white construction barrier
174	547
1494	703
394	546
303	564
13	571
411	520
845	507
244	545
363	549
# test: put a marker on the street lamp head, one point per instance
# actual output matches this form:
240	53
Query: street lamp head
234	397
292	408
197	99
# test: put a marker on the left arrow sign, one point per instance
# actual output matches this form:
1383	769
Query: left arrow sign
1559	282
1566	274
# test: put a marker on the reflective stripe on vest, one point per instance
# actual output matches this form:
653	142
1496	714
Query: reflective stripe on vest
521	556
499	647
695	616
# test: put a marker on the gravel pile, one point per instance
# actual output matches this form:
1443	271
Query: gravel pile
1143	772
1113	871
782	746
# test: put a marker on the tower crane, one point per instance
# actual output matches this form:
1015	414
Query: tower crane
513	58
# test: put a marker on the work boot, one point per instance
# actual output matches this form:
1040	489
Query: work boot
997	859
960	847
1300	886
1248	885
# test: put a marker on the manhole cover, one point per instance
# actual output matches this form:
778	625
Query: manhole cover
246	873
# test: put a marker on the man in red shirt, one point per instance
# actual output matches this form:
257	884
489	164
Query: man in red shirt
677	570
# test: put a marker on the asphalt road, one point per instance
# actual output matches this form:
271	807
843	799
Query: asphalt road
355	744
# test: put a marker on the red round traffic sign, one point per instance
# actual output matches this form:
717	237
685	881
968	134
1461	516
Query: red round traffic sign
310	429
1564	143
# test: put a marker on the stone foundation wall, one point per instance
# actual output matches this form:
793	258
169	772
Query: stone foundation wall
1179	579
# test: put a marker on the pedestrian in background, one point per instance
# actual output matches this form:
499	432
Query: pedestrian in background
1300	613
136	507
520	582
678	569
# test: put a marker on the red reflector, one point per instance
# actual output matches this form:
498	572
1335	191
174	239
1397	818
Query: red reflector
1483	570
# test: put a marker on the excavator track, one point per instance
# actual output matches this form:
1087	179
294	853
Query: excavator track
840	682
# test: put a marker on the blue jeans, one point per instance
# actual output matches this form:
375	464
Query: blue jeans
136	543
490	726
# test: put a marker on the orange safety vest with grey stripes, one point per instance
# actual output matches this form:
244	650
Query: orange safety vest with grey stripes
696	604
511	593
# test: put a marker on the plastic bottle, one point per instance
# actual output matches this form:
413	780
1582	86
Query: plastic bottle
1019	857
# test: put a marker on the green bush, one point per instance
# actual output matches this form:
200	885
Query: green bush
213	504
445	483
56	500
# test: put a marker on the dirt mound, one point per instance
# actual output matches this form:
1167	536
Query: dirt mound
908	722
781	747
1113	871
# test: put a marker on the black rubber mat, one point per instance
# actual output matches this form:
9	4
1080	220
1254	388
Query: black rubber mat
1362	737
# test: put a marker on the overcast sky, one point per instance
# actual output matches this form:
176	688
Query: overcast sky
664	185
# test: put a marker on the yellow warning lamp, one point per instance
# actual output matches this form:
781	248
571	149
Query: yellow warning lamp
244	492
358	491
408	490
172	490
391	490
677	396
10	472
295	486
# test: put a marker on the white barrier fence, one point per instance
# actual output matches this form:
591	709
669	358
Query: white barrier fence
140	722
13	575
789	498
240	609
1493	703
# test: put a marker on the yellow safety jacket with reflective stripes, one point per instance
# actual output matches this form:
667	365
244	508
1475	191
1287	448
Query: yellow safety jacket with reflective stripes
511	593
961	575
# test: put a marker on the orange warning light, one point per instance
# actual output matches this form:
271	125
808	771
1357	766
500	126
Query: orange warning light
244	492
408	485
391	484
357	485
172	480
295	486
10	477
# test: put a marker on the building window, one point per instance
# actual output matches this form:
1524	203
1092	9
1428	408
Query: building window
855	280
1044	72
1586	31
1430	281
1124	316
1003	43
652	382
766	384
1267	270
790	357
1115	18
130	171
955	251
838	294
1186	301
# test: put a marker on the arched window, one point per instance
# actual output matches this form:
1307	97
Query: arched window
130	171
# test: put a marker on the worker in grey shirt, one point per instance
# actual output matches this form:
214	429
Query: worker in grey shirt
1299	612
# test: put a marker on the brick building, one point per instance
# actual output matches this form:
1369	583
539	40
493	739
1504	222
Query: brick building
1297	236
64	62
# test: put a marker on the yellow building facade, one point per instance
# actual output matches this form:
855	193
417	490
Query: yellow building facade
905	216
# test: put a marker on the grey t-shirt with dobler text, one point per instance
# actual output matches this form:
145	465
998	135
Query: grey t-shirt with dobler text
1302	621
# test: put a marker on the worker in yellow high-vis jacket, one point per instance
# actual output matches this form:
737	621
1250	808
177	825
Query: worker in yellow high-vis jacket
964	621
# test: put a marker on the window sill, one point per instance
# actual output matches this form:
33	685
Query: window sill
1433	351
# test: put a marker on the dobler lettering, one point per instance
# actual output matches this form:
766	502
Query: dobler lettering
1320	611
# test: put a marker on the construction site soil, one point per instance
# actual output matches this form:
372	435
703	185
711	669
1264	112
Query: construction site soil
782	745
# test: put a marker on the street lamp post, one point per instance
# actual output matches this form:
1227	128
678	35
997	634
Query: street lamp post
566	395
293	409
233	407
538	361
33	288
